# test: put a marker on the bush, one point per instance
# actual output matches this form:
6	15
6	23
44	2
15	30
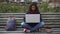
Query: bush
17	8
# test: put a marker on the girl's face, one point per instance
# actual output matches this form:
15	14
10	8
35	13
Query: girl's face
33	8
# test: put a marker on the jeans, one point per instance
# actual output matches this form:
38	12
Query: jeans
26	26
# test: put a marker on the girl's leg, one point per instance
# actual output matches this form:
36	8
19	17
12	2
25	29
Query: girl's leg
37	26
26	26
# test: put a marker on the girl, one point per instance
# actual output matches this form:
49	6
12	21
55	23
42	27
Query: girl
11	24
31	27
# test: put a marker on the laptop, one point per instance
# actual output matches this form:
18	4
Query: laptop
32	18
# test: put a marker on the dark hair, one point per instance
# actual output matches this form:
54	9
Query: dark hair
36	8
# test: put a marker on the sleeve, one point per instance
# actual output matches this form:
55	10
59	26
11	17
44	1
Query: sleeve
24	19
24	16
41	18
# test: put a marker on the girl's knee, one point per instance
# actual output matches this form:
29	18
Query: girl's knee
22	23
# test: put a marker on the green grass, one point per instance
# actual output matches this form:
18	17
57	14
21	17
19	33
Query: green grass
17	8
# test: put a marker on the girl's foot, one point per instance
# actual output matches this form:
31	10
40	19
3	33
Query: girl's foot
26	30
38	30
48	29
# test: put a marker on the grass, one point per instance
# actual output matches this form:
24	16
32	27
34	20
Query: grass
17	8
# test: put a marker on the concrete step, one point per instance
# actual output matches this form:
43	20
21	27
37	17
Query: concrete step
21	16
21	32
30	33
21	19
52	20
24	13
21	29
17	29
42	18
45	15
3	24
49	25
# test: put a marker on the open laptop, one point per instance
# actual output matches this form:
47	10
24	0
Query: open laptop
32	18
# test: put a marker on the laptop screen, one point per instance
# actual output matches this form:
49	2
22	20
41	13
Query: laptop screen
32	18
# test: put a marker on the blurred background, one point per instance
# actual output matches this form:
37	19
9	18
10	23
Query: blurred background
14	6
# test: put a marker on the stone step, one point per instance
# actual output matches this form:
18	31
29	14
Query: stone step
20	19
31	33
52	20
45	24
46	21
53	26
21	29
22	14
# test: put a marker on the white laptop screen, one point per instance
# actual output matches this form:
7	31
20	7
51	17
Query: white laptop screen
32	18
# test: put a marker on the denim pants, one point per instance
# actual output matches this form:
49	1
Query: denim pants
26	26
